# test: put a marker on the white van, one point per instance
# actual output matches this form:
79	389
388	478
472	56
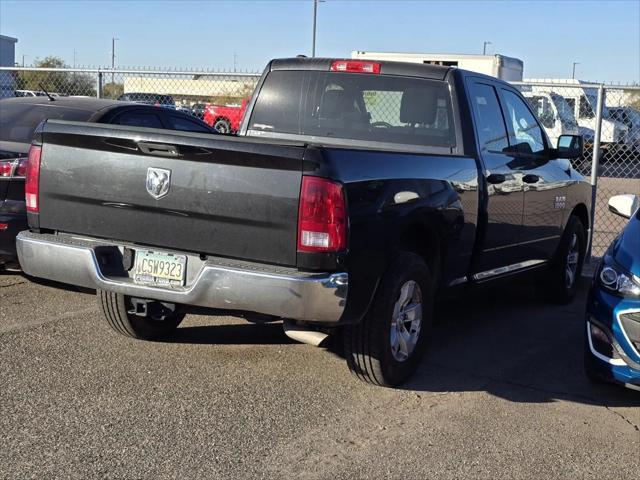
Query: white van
499	66
583	100
555	114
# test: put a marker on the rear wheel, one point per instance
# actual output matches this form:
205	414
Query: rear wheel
561	282
222	126
118	310
386	347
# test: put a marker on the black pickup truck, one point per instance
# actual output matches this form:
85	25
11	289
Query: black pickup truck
355	195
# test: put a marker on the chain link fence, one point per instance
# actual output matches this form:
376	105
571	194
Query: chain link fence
608	117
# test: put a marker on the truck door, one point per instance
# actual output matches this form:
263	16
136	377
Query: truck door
545	179
505	195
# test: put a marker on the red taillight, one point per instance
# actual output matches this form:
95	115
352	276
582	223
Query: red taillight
355	66
21	168
6	168
32	185
322	217
13	168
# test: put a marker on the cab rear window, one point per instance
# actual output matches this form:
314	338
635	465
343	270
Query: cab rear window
380	108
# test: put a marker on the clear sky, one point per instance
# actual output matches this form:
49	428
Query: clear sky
604	36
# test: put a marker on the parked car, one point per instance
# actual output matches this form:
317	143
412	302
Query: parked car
19	118
356	194
612	342
554	113
156	99
225	118
29	93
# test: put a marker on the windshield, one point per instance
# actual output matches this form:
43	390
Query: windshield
355	106
565	112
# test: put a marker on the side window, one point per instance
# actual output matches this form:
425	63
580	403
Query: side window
585	108
186	125
139	119
525	135
492	133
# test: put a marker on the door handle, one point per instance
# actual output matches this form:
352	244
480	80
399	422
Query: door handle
158	149
531	178
496	178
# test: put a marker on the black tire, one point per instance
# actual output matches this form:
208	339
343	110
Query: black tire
114	307
222	125
557	286
367	345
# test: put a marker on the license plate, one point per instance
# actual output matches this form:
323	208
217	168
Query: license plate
162	269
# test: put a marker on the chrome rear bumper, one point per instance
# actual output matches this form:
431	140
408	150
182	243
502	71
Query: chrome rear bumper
215	283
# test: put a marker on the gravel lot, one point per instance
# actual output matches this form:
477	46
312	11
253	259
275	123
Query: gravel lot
500	395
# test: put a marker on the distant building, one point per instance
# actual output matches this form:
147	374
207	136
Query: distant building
7	51
7	59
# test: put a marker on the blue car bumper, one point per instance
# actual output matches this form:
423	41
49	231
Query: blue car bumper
612	346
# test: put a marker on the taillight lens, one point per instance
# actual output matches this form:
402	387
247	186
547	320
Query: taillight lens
16	167
355	66
32	184
322	217
21	168
6	168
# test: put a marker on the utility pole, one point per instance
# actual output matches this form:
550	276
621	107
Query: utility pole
484	47
315	17
113	57
573	73
74	58
23	55
235	61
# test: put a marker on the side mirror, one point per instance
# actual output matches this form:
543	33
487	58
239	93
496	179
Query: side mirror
570	146
623	205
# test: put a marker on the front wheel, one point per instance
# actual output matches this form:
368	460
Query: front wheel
117	310
386	347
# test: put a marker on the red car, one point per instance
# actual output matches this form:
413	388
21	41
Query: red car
223	118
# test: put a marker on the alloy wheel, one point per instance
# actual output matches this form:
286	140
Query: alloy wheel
406	321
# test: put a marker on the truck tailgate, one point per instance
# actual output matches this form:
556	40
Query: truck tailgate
227	196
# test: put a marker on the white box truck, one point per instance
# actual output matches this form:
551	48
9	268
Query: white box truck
582	98
499	66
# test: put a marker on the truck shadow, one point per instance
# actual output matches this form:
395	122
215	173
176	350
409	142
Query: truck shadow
511	344
505	341
234	334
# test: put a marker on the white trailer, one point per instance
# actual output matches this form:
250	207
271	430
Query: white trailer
500	66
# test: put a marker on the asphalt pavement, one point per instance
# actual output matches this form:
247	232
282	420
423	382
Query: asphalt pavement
500	394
